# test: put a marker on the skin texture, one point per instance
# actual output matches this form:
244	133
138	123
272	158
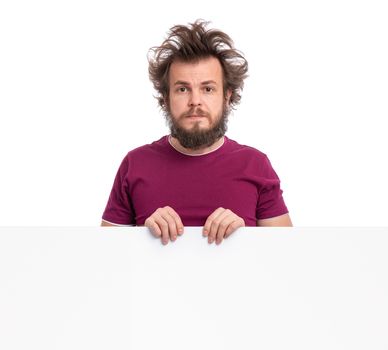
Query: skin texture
196	102
196	99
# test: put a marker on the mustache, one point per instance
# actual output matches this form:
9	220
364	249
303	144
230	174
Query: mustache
195	111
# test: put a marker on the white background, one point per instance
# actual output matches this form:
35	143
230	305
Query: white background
75	98
262	288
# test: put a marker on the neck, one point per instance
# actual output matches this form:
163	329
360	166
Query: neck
176	144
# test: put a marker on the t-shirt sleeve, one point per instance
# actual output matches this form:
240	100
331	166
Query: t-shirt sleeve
271	202
119	209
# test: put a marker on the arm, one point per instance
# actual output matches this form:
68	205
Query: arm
106	223
277	221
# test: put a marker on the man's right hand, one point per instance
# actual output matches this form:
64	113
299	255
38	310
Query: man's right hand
165	223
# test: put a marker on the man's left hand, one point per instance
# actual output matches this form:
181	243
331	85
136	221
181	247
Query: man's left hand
221	224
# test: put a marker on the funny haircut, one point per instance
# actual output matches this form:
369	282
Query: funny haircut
192	43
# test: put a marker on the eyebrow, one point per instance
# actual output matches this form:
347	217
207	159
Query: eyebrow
207	82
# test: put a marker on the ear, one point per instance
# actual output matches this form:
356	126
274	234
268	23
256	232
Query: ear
165	101
228	96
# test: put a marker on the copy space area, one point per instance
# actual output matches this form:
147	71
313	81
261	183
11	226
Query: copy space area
262	288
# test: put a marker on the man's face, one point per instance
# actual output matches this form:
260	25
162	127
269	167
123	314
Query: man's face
197	109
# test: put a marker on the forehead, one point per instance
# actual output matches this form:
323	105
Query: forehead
201	70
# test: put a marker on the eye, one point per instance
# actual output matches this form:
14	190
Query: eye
182	89
209	89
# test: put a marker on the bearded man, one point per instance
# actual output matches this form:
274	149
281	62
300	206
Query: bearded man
196	176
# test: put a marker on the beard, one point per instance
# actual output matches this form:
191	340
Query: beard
197	138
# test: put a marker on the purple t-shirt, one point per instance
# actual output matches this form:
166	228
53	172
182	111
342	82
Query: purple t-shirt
234	176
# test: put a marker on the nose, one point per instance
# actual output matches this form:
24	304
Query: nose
195	98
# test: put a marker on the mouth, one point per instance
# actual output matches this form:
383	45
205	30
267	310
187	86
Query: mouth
195	116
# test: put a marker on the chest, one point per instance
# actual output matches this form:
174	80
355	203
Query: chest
194	190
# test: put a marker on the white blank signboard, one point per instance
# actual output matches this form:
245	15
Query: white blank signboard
262	288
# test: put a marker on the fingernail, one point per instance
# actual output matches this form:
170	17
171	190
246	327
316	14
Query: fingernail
205	233
210	240
180	230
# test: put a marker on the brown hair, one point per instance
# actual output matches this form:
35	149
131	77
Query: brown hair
192	43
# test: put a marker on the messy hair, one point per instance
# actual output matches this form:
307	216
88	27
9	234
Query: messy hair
190	44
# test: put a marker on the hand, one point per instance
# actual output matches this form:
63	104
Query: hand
221	224
165	223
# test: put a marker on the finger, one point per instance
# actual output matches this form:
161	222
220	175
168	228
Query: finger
224	225
224	219
177	219
172	225
219	224
209	220
153	227
172	229
163	226
234	226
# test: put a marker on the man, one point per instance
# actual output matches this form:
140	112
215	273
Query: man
196	176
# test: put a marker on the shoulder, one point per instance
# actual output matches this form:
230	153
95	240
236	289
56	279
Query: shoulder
148	149
251	158
136	156
245	150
